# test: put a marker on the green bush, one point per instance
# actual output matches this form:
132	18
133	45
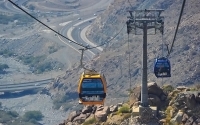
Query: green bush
31	7
61	98
37	63
52	49
168	88
3	67
168	114
4	117
89	121
13	118
13	113
124	109
31	60
33	121
44	67
62	101
6	53
33	115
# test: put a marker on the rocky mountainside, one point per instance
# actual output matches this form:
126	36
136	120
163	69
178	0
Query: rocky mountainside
184	58
175	106
113	61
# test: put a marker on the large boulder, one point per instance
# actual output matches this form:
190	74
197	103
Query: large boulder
157	97
81	118
196	122
113	108
181	88
186	100
94	108
72	115
190	101
87	109
190	121
178	118
102	113
153	88
154	100
197	97
185	118
101	116
100	108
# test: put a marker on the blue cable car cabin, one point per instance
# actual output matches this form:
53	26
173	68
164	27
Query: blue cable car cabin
92	89
162	67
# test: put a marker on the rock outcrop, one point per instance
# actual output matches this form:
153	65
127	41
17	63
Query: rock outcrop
182	107
96	113
157	97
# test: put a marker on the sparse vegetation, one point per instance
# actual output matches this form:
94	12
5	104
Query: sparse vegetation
33	116
126	116
31	7
62	101
31	60
6	53
13	118
168	113
44	67
37	64
3	67
124	109
195	87
90	121
52	49
168	88
13	113
20	19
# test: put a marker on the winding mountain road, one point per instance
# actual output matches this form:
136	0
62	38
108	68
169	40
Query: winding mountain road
24	86
74	29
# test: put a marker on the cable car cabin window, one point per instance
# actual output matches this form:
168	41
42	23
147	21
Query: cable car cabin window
160	65
92	90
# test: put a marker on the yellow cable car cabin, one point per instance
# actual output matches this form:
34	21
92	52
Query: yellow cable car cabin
92	88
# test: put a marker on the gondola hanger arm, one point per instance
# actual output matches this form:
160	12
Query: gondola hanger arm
81	61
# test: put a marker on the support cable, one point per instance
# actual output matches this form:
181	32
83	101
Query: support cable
162	46
81	61
61	34
109	39
169	51
162	53
43	23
